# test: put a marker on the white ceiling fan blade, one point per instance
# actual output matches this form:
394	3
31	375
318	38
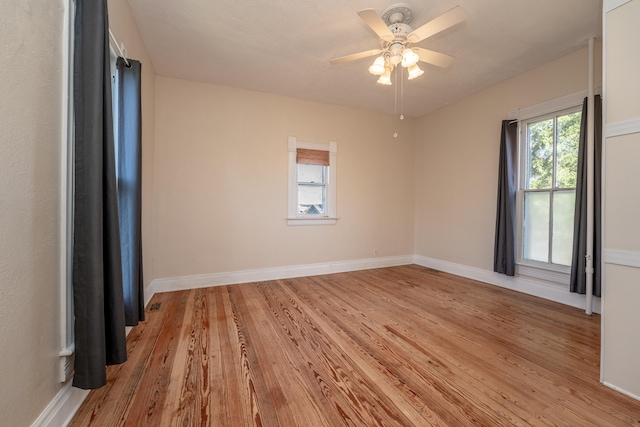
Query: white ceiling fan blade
355	56
433	57
441	23
373	20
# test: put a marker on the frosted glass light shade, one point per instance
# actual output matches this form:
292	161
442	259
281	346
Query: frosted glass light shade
409	58
377	69
385	78
415	71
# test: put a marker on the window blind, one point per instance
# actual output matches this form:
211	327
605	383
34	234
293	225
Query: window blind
312	157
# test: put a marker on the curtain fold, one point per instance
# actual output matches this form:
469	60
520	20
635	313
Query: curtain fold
97	273
129	176
578	279
504	254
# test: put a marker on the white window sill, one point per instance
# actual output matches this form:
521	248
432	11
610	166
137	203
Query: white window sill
312	221
550	273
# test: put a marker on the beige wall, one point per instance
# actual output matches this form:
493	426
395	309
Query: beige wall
221	181
124	27
31	142
456	160
621	289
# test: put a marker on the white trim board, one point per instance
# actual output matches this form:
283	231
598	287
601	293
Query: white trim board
609	5
621	128
558	104
62	408
274	273
553	292
619	257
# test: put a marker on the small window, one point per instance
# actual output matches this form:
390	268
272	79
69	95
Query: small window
312	183
548	188
312	189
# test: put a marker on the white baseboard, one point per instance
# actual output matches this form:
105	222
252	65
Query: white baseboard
62	408
245	276
523	284
527	285
621	390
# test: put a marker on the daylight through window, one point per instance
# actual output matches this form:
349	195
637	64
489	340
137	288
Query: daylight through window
312	167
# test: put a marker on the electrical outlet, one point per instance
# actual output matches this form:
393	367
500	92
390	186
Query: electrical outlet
375	252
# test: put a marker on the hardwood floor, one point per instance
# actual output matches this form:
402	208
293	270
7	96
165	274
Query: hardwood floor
400	346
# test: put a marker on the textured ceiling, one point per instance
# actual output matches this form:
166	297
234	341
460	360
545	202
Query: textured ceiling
284	46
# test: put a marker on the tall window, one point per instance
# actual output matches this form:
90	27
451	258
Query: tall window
547	184
312	183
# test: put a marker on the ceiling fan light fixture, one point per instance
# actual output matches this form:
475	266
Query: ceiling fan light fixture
409	58
415	71
377	69
385	78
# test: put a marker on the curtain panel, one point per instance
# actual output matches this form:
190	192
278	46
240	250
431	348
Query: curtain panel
504	254
129	176
578	279
97	274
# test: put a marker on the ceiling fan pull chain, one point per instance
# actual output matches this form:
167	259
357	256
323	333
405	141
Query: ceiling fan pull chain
401	93
395	102
395	95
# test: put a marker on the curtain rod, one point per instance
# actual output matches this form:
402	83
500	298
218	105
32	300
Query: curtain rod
122	50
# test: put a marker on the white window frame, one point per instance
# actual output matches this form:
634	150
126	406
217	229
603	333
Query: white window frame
330	215
546	271
558	268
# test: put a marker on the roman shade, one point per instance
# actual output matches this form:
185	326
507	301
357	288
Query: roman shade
312	157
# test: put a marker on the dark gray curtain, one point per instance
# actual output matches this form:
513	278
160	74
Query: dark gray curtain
578	276
129	175
97	273
504	253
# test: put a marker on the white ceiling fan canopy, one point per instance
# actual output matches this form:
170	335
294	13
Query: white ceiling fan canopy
399	13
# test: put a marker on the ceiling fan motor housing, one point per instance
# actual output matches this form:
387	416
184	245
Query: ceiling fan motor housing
396	47
400	30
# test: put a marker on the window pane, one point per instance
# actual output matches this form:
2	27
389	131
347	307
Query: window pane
536	226
563	208
567	150
540	154
311	173
311	199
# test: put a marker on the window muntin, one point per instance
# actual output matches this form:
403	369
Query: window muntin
550	158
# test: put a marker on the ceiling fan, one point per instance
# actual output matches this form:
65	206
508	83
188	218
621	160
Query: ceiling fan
396	38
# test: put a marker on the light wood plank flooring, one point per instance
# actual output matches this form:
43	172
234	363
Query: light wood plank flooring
400	346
